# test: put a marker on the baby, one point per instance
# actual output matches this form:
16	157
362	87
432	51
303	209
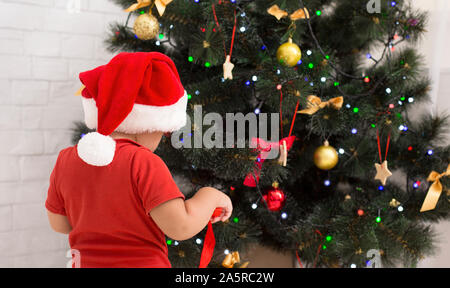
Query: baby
110	193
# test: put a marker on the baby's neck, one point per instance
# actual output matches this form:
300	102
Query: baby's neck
119	135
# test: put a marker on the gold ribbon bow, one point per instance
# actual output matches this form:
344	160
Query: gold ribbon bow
314	104
78	93
435	190
160	5
233	258
279	13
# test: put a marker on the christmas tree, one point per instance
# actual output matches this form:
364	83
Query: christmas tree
342	76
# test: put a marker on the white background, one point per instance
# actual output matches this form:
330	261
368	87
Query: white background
43	47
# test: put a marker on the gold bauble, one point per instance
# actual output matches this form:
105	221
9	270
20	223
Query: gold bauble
289	54
326	157
146	27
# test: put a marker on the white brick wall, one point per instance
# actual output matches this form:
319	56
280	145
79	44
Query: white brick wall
43	47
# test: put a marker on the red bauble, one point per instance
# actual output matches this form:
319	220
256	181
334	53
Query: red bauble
275	198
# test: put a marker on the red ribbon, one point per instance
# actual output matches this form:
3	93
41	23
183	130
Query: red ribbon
209	242
264	148
379	146
317	253
218	26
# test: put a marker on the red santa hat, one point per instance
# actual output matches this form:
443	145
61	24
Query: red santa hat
133	93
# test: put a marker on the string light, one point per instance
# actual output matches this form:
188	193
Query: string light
299	62
254	78
355	110
381	188
235	219
309	52
348	106
388	90
247	83
327	182
257	111
226	252
329	238
323	79
341	151
198	241
278	72
410	99
254	206
242	29
169	242
391	106
318	12
430	152
400	208
368	56
190	58
311	65
378	219
353	266
283	215
207	64
360	212
157	43
354	131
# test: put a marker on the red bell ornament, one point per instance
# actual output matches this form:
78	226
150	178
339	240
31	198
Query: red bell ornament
275	198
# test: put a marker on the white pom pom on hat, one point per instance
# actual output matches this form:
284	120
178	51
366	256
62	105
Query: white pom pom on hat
96	149
133	93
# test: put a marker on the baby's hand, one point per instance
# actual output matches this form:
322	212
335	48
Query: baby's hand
223	210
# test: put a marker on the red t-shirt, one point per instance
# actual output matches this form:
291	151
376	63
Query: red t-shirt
108	207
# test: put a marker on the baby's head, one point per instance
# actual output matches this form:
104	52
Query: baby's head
137	96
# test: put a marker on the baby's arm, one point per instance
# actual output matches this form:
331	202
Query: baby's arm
59	223
181	220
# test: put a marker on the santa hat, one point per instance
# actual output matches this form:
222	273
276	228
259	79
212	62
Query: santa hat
133	93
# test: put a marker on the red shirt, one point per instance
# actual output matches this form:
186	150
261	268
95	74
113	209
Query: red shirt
108	207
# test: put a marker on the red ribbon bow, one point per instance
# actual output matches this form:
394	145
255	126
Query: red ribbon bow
265	148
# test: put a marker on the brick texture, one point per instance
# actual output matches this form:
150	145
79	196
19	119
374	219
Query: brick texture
44	44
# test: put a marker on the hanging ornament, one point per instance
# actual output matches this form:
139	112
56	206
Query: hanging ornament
383	172
227	68
146	26
274	198
227	65
278	13
326	157
435	190
289	53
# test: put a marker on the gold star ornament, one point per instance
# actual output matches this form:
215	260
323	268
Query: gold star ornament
383	172
227	68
